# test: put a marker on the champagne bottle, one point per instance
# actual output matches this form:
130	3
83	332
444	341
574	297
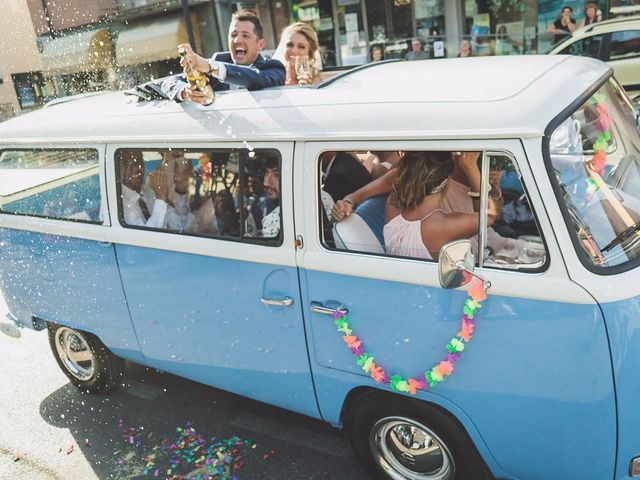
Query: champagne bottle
198	80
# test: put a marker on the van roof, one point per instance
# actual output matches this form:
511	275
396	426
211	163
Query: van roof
448	98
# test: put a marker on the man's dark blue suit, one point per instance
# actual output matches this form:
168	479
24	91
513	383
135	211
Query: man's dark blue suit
262	74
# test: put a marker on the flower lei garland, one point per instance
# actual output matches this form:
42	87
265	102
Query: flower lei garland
430	378
603	124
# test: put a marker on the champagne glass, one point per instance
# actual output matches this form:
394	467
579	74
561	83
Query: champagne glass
303	70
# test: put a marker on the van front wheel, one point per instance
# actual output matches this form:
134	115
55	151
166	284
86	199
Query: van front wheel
84	359
397	439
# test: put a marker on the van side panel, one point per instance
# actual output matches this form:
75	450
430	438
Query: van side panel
535	377
202	318
69	281
623	324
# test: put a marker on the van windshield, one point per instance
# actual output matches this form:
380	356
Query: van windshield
595	154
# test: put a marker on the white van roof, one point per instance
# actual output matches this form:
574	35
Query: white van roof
449	98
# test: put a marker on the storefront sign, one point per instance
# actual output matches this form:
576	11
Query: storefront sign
351	22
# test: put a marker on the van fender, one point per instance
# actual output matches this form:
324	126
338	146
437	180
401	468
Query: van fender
443	403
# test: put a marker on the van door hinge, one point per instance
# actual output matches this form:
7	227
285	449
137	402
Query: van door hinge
299	242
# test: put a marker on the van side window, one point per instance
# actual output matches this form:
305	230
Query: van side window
225	193
514	239
415	202
60	184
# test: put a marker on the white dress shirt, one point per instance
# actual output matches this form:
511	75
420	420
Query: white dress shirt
179	216
133	213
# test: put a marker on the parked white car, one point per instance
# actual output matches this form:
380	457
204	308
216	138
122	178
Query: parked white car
616	42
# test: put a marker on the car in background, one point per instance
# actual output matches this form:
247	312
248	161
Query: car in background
615	41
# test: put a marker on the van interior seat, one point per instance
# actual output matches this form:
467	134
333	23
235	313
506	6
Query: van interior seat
363	230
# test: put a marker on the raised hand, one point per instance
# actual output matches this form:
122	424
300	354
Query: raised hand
157	181
191	60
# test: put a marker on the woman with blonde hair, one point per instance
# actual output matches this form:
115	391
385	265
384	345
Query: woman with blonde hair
299	52
591	14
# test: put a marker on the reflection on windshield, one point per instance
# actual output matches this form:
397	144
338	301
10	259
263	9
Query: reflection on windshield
596	156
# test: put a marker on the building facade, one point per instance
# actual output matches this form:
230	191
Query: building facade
21	82
75	46
349	29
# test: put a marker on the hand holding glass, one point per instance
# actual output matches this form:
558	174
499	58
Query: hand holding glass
303	70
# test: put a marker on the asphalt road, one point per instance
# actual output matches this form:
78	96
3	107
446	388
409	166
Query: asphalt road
49	430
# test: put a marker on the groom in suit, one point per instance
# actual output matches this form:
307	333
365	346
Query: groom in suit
241	67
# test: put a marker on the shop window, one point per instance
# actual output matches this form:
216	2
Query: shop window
58	184
232	194
625	44
30	89
402	18
389	214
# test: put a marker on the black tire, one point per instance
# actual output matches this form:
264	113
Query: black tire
85	360
381	425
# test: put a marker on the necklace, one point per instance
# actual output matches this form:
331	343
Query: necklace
431	377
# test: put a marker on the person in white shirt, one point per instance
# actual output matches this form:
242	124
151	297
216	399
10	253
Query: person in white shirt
143	205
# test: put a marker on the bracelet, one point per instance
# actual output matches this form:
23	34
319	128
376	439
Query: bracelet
473	194
346	200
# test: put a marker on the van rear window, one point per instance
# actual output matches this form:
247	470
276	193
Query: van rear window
60	184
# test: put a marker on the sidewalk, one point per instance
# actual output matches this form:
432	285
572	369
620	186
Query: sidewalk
16	467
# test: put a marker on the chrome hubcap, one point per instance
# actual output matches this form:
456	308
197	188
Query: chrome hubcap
406	449
75	353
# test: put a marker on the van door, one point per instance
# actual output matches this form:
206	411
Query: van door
538	368
210	273
56	263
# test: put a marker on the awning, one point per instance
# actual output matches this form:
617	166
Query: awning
78	52
152	41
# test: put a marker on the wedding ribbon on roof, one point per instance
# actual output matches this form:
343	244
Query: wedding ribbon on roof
436	374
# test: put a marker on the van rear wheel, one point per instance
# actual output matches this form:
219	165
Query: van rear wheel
405	439
84	359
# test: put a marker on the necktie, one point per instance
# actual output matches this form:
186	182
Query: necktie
143	208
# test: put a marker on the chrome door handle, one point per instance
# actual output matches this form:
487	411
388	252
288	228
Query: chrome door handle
284	302
319	308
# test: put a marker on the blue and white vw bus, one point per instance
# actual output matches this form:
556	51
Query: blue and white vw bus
201	241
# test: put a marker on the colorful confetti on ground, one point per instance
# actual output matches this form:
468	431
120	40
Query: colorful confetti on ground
189	456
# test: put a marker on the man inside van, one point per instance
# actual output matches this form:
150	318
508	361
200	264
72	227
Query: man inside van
143	205
241	67
271	183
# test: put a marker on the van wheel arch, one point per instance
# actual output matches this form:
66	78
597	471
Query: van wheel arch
84	359
370	413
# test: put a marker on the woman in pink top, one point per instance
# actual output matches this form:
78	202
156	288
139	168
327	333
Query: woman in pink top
415	223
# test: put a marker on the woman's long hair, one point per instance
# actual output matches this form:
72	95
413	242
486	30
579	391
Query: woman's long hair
419	174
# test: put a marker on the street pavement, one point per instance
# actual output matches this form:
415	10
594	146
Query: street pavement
49	430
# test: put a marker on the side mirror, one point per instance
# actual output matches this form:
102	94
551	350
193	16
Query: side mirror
455	264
